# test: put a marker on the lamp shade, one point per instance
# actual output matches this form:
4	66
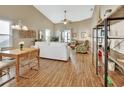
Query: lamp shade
24	28
19	26
65	22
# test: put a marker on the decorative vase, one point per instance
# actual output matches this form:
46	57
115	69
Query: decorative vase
21	47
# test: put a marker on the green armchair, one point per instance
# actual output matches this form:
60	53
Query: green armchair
83	47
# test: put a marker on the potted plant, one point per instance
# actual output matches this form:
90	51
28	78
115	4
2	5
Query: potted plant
21	45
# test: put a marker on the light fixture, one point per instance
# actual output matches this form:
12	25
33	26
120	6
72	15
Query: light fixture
24	28
65	20
19	26
107	11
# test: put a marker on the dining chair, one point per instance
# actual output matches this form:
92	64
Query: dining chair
24	62
33	60
28	61
5	66
5	49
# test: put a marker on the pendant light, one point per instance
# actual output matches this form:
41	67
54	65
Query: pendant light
65	20
19	26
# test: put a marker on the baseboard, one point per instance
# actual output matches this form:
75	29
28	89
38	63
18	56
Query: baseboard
55	59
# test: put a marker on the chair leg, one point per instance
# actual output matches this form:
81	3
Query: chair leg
32	68
8	72
7	81
3	73
24	77
21	76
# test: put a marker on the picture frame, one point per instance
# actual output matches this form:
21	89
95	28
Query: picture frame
100	40
74	34
100	35
83	34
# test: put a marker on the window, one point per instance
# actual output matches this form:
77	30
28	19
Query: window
47	35
5	34
66	36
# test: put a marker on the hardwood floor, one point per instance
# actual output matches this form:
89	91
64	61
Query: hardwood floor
77	72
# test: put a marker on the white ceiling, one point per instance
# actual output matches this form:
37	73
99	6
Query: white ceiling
74	12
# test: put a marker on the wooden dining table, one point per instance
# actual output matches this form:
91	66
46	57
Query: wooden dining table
15	53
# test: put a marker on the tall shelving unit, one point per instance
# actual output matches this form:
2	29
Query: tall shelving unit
106	25
96	37
95	42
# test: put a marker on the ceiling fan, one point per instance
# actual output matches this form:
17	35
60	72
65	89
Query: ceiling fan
65	21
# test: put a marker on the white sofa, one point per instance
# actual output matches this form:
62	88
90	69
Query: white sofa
53	50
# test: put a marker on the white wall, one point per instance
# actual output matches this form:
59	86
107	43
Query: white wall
76	27
82	26
117	30
105	7
29	16
99	11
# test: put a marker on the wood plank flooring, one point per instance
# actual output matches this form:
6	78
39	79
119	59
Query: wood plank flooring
77	72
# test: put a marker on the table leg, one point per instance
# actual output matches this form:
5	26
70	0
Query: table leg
0	70
0	57
38	58
17	68
0	73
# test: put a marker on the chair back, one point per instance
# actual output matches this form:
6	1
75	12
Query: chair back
33	55
6	63
24	57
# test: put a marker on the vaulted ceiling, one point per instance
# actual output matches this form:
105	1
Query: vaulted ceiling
74	12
